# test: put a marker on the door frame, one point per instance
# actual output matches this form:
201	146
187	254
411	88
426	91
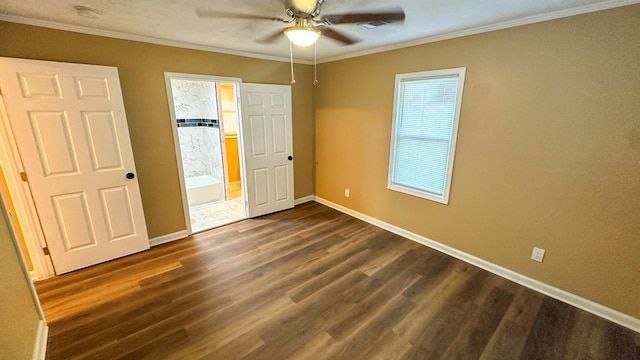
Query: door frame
237	82
20	194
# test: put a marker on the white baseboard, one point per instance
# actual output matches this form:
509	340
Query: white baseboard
40	346
556	293
168	238
303	200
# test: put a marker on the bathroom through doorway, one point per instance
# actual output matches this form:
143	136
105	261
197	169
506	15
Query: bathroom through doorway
205	116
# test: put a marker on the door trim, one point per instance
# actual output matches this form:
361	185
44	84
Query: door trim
176	140
22	201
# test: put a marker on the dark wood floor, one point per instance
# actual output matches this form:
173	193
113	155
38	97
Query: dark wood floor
311	283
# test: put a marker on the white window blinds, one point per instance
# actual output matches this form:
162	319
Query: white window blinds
426	112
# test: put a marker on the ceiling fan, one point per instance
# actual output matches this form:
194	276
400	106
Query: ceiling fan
308	25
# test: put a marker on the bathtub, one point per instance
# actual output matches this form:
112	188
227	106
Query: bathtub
203	189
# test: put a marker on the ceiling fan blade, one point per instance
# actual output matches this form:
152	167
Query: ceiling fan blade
271	37
332	34
354	18
229	15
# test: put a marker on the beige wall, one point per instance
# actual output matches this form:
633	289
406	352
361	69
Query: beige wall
18	311
141	67
548	149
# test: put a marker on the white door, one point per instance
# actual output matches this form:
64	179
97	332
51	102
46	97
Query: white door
268	147
71	131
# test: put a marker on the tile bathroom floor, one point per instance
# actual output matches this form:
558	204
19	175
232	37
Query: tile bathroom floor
210	215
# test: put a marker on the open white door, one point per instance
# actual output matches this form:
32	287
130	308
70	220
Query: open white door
268	147
71	131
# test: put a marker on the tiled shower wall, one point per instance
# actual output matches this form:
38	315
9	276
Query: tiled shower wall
198	128
194	99
201	151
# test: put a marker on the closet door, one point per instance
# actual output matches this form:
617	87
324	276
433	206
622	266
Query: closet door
71	132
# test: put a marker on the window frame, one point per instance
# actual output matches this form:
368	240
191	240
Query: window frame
426	75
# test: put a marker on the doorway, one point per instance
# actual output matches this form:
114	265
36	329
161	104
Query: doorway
204	113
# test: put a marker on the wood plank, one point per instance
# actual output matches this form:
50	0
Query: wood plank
389	347
511	335
311	283
357	345
549	333
474	336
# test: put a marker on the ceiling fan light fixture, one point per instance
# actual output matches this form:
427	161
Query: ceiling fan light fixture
302	36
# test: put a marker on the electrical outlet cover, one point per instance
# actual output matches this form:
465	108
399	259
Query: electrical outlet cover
537	254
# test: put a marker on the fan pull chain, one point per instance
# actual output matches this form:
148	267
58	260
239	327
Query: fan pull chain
293	79
315	63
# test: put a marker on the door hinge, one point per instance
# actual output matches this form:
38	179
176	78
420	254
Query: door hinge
45	250
23	176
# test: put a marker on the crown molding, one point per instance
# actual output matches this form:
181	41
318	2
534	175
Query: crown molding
487	28
144	39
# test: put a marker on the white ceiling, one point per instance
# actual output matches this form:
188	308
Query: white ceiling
176	22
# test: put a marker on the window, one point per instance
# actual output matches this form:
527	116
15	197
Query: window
423	138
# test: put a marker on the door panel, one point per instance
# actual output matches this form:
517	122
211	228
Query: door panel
92	87
39	86
268	143
282	183
277	100
53	138
72	135
258	135
117	205
74	221
102	139
261	181
279	131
